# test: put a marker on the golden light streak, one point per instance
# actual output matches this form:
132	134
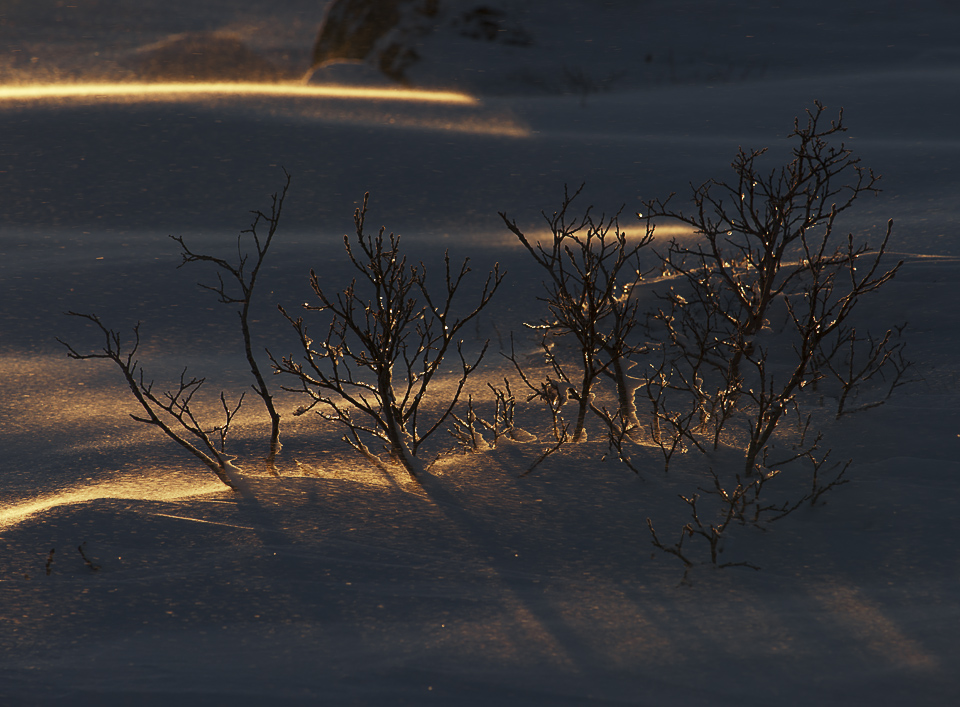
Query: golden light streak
173	91
201	520
666	230
540	235
133	489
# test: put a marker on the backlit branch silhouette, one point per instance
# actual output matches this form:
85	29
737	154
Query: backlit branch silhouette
387	337
245	280
171	411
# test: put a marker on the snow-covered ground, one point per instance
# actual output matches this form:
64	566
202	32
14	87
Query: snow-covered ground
342	585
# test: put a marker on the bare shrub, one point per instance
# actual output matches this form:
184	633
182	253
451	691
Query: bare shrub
766	248
171	411
469	429
387	338
246	280
592	268
550	394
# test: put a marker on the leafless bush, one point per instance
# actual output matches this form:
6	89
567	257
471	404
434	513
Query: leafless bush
740	501
246	280
766	240
669	424
384	346
592	268
550	394
469	429
713	533
766	245
171	411
504	414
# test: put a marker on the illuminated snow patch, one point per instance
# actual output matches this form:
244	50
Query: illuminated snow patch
138	489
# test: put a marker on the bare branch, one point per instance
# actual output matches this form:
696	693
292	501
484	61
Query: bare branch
170	411
252	248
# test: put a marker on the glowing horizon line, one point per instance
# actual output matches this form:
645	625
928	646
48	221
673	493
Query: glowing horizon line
151	90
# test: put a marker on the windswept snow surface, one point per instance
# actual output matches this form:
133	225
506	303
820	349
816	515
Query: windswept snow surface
342	584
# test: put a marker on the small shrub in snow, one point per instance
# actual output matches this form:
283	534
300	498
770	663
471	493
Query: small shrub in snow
592	268
469	430
246	280
717	379
172	411
386	339
766	251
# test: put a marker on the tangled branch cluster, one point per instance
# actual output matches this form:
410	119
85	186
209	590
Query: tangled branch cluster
723	357
715	377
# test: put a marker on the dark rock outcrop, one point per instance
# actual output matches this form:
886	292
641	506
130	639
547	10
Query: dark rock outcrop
361	29
387	33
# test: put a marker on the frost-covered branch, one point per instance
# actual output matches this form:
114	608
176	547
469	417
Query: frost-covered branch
252	247
766	248
387	338
171	411
592	269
